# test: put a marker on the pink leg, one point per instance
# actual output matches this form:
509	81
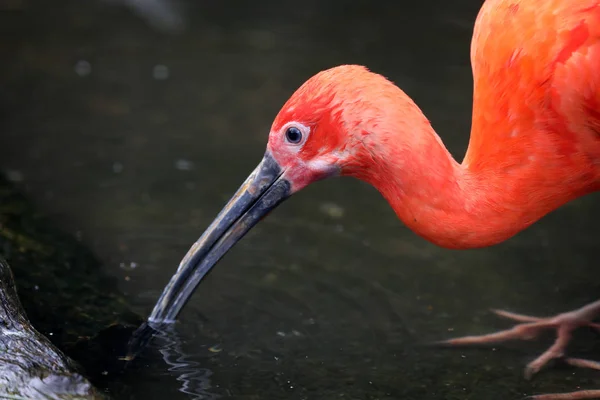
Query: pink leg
581	363
580	395
530	327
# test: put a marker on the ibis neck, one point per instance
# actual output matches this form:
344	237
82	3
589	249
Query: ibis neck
453	205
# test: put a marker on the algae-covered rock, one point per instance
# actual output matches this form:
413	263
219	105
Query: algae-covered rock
72	304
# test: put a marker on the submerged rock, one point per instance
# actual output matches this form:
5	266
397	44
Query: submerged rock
31	367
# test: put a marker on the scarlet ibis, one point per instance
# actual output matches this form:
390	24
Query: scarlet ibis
534	146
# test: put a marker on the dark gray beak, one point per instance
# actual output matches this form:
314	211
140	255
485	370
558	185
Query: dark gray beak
262	191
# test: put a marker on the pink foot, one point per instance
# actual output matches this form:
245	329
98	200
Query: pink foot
579	395
530	327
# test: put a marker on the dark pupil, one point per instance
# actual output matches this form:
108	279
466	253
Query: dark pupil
293	135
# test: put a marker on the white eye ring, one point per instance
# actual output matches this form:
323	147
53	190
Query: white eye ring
295	133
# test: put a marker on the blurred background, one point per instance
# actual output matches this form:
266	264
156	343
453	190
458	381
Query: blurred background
131	122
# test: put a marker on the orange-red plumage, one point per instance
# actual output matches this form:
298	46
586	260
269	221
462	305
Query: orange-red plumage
535	145
535	139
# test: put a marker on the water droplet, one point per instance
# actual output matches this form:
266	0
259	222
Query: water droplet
184	165
160	72
14	176
117	167
215	349
83	68
128	266
332	209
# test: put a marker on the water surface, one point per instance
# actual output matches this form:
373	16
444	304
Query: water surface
134	137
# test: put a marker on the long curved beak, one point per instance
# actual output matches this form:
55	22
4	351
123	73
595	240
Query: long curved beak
262	191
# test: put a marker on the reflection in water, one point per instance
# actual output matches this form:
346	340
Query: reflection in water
195	380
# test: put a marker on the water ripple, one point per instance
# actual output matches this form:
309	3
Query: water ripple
195	380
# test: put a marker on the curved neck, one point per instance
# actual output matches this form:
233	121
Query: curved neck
454	205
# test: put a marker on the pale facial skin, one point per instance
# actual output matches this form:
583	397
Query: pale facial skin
308	142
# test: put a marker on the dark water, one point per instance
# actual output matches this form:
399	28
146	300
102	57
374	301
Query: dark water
133	137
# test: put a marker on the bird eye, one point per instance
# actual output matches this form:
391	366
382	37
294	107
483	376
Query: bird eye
293	135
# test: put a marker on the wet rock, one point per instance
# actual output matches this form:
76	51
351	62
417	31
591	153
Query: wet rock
31	367
82	323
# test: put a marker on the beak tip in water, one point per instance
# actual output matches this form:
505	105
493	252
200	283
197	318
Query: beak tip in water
262	191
